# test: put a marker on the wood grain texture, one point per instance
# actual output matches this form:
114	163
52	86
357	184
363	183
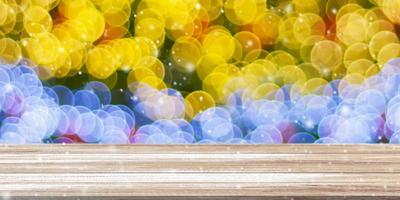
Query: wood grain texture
129	171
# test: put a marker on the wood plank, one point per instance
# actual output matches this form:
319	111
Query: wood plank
208	198
198	171
75	163
198	189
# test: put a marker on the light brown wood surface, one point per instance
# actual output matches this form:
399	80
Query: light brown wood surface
203	170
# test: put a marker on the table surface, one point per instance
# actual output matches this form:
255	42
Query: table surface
128	171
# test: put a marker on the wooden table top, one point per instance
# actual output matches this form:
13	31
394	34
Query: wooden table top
213	171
